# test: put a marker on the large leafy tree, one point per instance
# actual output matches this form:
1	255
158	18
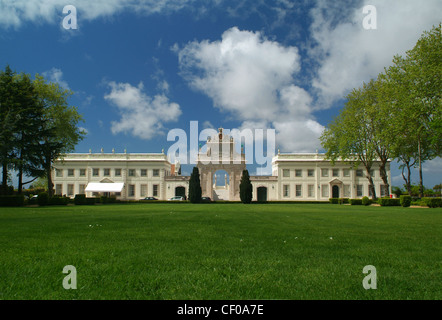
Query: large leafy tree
61	125
415	91
245	188
195	191
350	136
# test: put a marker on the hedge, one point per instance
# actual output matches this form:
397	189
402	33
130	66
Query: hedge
12	201
432	202
80	199
389	202
57	200
405	200
366	201
43	199
355	202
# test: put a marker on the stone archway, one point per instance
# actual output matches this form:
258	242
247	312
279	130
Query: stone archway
261	193
221	155
180	192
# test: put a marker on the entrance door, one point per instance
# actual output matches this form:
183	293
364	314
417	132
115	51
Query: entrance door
335	191
180	192
262	194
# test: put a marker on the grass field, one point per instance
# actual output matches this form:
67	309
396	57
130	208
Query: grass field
220	251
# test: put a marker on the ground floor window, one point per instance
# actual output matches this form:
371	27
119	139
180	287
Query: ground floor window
311	190
324	191
131	190
286	190
347	191
359	190
298	190
70	189
143	190
155	190
59	189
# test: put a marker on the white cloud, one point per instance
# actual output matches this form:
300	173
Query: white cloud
14	13
251	78
348	54
141	116
56	75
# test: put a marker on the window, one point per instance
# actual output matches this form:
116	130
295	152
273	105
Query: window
335	172
384	191
155	190
311	172
359	173
359	190
81	188
118	172
70	172
286	173
143	173
156	172
298	173
58	172
95	172
59	189
286	190
82	172
106	172
324	190
311	190
143	190
70	189
346	172
131	190
324	172
346	191
298	190
131	172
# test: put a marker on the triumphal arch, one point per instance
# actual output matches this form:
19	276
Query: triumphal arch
220	154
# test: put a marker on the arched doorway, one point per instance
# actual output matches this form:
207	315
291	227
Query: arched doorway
220	185
335	191
180	192
262	194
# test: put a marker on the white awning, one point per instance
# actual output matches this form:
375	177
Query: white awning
104	187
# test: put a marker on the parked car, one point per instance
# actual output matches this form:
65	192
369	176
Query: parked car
177	198
206	199
150	198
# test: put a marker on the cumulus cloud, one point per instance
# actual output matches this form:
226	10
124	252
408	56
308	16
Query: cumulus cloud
13	13
141	115
56	75
253	79
348	54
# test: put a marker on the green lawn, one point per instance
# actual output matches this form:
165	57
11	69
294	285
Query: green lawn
220	251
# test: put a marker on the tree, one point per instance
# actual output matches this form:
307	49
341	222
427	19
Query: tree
8	122
195	192
351	135
61	131
245	188
416	101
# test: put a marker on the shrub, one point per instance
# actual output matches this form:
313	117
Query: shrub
80	199
366	201
92	200
43	199
12	201
58	201
405	200
355	202
334	200
343	200
389	202
432	202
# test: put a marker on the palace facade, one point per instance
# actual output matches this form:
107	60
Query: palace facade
134	176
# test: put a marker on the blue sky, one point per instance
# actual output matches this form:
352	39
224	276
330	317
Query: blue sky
139	69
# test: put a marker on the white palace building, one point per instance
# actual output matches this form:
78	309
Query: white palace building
134	176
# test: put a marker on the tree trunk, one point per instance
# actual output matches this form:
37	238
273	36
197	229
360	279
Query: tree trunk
4	179
384	176
421	184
